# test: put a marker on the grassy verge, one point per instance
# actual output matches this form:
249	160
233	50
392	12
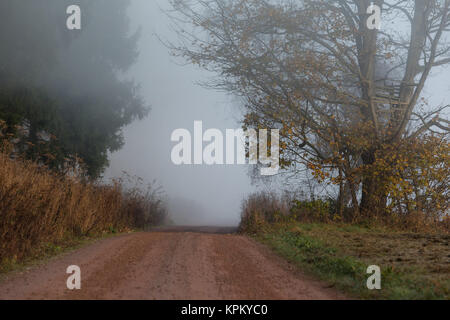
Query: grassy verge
413	266
49	250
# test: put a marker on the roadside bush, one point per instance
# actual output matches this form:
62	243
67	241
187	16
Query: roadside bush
266	208
261	208
314	210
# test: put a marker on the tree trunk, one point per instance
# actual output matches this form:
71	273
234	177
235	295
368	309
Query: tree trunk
340	204
373	199
356	211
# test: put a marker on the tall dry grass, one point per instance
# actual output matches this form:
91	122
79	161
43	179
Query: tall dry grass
38	206
261	209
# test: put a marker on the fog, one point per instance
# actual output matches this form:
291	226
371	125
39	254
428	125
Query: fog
198	195
79	71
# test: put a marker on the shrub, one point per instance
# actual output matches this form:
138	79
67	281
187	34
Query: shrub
261	208
313	210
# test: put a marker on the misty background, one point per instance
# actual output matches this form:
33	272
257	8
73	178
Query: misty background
203	194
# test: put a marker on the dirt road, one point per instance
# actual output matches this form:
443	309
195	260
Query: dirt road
176	263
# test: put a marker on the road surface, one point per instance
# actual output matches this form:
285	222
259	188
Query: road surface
171	263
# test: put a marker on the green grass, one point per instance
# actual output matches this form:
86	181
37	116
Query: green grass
340	255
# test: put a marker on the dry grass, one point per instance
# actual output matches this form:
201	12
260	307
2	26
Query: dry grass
267	208
40	207
412	252
413	265
429	252
261	208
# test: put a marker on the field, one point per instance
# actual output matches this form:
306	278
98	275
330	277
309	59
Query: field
413	265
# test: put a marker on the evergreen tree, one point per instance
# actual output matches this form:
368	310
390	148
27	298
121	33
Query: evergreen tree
68	83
